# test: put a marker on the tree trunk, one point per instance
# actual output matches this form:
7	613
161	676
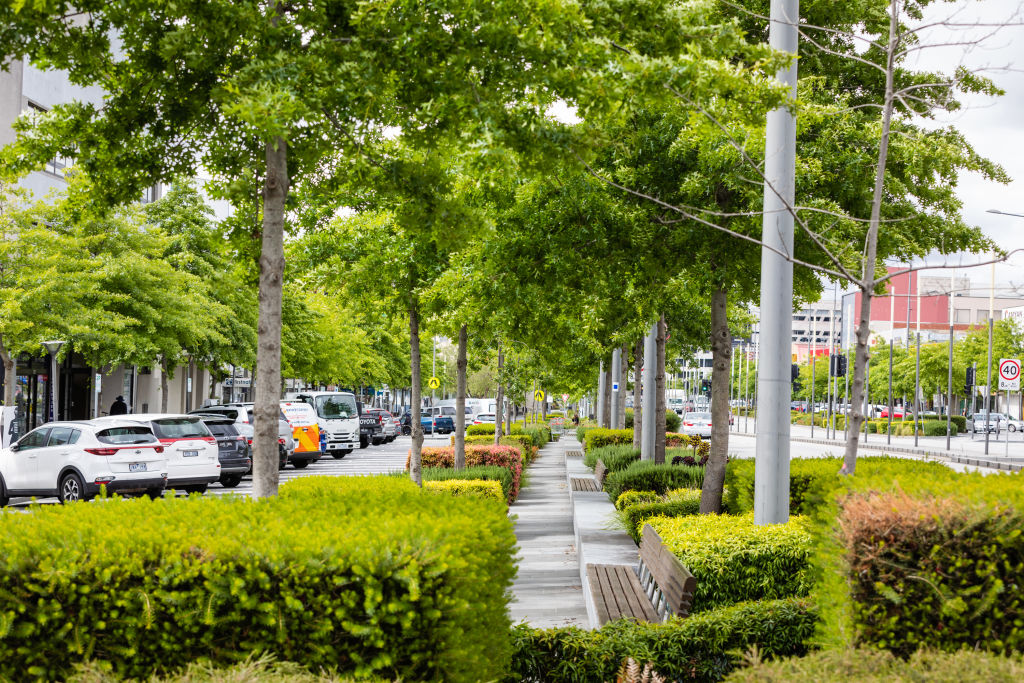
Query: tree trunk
460	403
510	415
163	386
623	380
268	331
499	400
607	417
867	283
659	403
638	352
10	373
415	457
721	352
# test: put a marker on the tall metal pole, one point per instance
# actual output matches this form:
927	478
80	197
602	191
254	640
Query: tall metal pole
888	426
757	358
814	352
433	367
615	388
601	388
917	369
648	416
988	383
892	335
910	277
830	392
771	475
746	388
949	379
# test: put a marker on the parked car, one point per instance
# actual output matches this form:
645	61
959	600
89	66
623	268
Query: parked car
337	416
439	424
192	454
242	414
897	413
387	424
483	419
371	431
976	423
233	449
697	424
73	460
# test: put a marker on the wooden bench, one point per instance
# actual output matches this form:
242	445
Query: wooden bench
654	591
588	484
574	454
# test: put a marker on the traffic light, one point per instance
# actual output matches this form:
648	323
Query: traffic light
794	372
969	384
705	387
837	366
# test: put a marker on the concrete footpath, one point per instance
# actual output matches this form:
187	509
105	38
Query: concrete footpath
547	591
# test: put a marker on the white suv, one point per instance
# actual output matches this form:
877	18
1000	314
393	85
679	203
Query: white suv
72	460
193	460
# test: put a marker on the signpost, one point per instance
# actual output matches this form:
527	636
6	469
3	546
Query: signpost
539	394
1009	380
434	383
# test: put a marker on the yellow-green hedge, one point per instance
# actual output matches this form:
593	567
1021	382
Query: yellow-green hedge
365	575
735	560
467	487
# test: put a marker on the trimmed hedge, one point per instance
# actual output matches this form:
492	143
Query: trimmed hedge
488	429
255	669
672	421
502	475
503	456
813	480
936	570
866	664
645	475
702	648
635	497
599	437
489	490
363	575
680	503
614	457
522	442
735	560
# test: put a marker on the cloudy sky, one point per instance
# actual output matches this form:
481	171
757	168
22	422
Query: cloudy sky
995	126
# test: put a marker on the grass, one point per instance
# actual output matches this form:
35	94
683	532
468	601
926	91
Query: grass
258	669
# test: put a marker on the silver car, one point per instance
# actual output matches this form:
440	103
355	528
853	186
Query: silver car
976	423
697	424
242	414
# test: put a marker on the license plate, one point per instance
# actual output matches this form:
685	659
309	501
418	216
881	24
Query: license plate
190	454
136	467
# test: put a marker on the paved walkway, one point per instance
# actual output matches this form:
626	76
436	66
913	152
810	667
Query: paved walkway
547	591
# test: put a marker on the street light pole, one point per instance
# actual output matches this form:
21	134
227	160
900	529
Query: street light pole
991	323
53	348
949	380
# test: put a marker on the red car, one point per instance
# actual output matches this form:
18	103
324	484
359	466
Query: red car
897	413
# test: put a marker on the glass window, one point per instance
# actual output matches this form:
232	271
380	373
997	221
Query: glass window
180	428
62	436
126	435
962	315
337	406
221	429
36	439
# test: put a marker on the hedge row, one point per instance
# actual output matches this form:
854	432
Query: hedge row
614	457
865	664
363	575
521	442
703	647
598	437
677	503
735	560
488	429
480	488
672	420
644	475
503	456
497	473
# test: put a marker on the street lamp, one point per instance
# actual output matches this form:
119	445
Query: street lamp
53	348
1005	213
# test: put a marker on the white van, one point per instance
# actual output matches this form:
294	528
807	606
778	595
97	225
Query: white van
338	417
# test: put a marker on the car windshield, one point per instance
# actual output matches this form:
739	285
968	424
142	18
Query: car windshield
125	435
180	428
338	406
698	416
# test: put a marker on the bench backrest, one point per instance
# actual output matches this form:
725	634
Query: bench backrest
669	584
599	472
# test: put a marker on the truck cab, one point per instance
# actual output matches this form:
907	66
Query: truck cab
338	418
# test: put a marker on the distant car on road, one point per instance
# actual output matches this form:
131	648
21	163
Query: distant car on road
897	413
976	423
483	419
73	460
387	424
697	424
232	448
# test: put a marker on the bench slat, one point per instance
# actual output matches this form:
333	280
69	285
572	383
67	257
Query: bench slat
599	473
618	593
584	484
676	582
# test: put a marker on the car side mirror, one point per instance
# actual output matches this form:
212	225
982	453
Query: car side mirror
15	446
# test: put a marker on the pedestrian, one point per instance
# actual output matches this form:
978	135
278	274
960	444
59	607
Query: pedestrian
576	419
119	407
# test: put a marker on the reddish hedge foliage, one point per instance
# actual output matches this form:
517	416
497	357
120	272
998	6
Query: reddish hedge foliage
503	456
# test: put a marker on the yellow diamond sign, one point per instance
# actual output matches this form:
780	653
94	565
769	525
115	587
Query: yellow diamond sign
434	383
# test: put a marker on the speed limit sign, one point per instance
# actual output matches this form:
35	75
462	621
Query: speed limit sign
1009	374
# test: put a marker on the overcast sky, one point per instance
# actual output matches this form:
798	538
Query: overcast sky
994	126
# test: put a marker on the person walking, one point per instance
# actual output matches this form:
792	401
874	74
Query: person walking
119	407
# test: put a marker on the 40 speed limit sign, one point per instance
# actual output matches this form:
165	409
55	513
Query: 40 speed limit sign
1009	374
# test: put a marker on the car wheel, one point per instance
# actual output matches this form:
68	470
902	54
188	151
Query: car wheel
198	488
363	443
71	488
338	455
377	442
230	481
406	431
1011	428
154	493
4	499
300	464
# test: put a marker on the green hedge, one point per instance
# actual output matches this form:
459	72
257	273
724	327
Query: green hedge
614	457
938	428
479	488
812	480
255	669
865	664
634	497
703	648
488	429
509	457
502	475
644	475
521	442
680	503
364	575
672	421
735	560
599	436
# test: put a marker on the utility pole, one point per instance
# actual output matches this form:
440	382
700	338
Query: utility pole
814	352
601	388
771	477
949	380
892	335
991	323
615	388
649	398
917	365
